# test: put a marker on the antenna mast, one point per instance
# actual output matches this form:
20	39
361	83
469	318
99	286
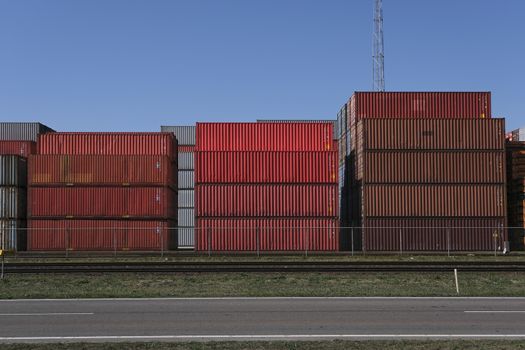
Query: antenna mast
379	56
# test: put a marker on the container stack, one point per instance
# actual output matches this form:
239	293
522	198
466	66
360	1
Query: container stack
266	187
186	213
428	171
518	135
516	192
103	191
17	142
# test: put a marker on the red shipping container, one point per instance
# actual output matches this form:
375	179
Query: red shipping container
434	200
98	170
185	148
420	105
267	235
429	134
264	137
108	143
100	235
266	167
102	202
434	234
17	148
468	167
266	200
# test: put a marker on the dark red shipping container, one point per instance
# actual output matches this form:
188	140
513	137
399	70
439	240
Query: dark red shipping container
434	234
185	148
100	235
108	143
434	200
430	134
17	148
266	167
420	105
468	167
266	200
89	170
266	234
265	137
102	202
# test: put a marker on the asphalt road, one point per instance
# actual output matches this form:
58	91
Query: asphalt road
259	318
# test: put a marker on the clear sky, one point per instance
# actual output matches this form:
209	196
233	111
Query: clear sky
130	65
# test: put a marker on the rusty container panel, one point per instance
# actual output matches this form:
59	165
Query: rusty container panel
468	167
265	137
266	167
433	134
434	200
237	235
102	202
108	143
420	105
17	148
266	200
88	170
434	234
101	235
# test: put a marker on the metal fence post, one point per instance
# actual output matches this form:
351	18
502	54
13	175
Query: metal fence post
495	235
352	234
448	241
161	242
209	241
67	242
114	242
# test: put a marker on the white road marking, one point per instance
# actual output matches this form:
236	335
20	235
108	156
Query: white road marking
49	314
261	336
495	311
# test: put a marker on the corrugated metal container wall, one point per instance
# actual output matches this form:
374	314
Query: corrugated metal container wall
186	198
101	170
12	235
186	148
13	203
437	234
108	144
434	200
102	202
518	135
421	105
186	237
266	167
22	131
334	122
186	217
186	160
433	134
101	235
13	171
267	234
185	134
266	200
17	148
265	137
468	167
186	179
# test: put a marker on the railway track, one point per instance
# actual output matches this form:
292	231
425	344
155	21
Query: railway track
200	267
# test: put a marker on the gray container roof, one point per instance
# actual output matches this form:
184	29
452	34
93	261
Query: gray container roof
185	134
22	131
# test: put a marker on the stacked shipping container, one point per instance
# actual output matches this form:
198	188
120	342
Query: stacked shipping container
17	142
516	192
427	171
186	173
266	186
103	191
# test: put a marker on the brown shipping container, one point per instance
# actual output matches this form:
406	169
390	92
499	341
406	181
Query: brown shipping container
45	170
108	143
265	137
432	134
267	234
100	235
17	148
468	167
102	202
420	105
437	234
266	167
266	200
434	200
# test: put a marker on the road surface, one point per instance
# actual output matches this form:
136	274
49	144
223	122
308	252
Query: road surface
197	319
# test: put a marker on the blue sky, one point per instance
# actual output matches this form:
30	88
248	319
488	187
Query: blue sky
129	65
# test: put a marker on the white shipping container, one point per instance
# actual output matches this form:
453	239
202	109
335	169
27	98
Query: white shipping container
186	199
186	179
185	134
13	171
13	202
13	235
186	217
186	161
186	237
